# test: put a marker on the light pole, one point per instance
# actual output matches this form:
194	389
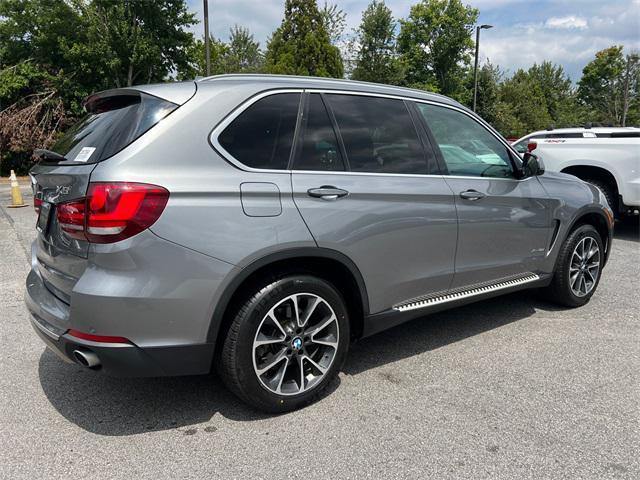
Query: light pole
475	68
207	48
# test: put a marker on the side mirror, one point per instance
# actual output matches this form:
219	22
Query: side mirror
531	165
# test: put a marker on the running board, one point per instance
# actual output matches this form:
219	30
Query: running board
466	292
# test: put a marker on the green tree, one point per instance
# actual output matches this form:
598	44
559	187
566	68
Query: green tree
53	53
334	20
559	94
39	85
135	42
243	53
524	106
301	45
376	58
489	78
436	45
197	64
609	86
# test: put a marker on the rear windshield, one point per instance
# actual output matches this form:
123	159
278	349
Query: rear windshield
110	125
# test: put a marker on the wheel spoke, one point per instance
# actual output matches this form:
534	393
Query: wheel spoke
281	373
281	356
586	272
573	279
272	316
262	339
300	360
312	362
310	310
583	284
324	325
328	343
296	309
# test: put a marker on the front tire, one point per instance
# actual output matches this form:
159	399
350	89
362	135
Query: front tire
578	268
286	343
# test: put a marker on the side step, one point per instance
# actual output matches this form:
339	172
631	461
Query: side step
466	292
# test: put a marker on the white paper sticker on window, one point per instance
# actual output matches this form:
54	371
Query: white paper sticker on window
84	154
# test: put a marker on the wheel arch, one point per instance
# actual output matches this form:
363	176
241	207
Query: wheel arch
593	172
328	264
597	218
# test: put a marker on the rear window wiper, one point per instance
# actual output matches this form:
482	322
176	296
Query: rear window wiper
45	154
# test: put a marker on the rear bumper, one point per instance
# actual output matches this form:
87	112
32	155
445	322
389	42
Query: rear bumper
48	313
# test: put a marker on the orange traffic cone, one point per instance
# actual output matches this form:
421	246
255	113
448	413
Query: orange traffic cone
16	194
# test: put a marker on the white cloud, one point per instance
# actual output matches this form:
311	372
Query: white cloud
570	21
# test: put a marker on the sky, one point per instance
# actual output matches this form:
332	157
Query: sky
567	32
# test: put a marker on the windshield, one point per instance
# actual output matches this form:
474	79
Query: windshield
111	124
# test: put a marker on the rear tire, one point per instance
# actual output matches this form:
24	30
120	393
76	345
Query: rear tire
578	268
286	344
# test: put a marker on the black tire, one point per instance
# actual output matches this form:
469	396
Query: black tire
236	362
610	193
559	291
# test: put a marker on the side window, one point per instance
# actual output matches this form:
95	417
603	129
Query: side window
378	134
262	135
320	149
467	147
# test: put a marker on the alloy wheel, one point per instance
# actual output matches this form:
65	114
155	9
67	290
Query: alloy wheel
584	267
295	344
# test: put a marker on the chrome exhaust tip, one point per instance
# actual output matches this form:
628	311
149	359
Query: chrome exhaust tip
86	358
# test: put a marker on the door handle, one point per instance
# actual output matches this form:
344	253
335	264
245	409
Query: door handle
472	195
327	192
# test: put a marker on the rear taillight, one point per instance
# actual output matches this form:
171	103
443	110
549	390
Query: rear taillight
37	204
112	211
71	218
531	146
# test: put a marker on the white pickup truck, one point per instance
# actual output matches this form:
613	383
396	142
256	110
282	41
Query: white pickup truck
611	161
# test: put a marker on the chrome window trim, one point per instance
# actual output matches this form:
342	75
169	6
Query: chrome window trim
235	113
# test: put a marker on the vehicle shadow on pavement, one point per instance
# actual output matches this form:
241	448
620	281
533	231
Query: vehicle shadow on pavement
115	406
627	229
444	328
126	406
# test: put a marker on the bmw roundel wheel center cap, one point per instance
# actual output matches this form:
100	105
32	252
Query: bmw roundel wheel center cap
296	343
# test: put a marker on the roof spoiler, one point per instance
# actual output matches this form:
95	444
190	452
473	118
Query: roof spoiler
176	92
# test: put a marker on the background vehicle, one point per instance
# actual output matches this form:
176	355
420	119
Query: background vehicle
612	163
576	132
258	224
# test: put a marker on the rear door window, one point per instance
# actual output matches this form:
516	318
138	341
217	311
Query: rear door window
378	134
320	148
110	125
262	135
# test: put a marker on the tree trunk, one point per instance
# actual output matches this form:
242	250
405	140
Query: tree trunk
130	74
625	93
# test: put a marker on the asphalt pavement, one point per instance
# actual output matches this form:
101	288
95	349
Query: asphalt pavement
512	387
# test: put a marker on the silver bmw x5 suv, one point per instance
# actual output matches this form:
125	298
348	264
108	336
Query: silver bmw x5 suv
259	224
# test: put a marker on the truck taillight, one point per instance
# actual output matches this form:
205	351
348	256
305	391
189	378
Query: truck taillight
531	146
112	211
